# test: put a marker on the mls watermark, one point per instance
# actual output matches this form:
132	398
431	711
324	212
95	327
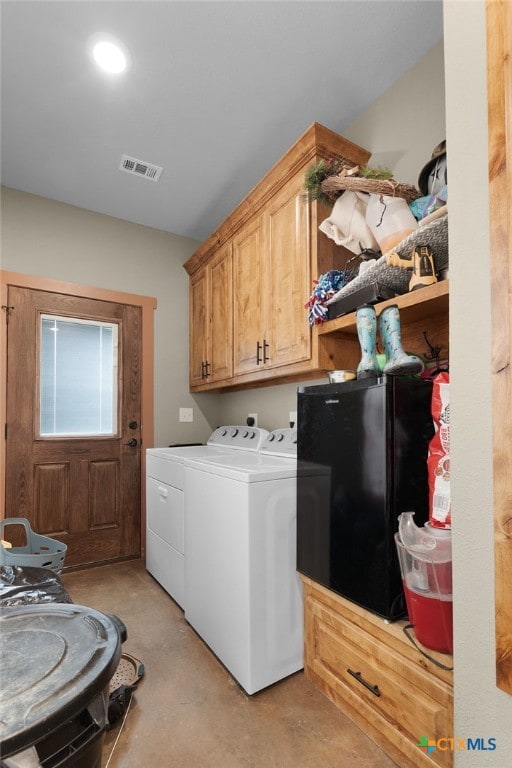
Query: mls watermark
453	744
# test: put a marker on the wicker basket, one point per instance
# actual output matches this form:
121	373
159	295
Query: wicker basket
333	185
433	234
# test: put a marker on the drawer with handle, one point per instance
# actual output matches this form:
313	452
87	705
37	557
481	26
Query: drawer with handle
380	686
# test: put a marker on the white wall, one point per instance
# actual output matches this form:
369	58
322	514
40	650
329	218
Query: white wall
480	708
49	239
404	125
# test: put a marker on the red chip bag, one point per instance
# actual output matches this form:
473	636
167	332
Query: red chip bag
438	461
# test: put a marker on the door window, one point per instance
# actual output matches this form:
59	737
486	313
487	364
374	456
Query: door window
78	377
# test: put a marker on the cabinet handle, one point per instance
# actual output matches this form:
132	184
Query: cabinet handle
206	371
358	676
266	357
259	348
202	370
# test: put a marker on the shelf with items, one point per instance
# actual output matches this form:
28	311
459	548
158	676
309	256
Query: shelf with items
422	311
417	305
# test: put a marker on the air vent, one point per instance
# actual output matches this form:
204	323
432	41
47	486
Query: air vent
140	168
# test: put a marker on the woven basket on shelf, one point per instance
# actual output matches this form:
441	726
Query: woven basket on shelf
332	185
433	234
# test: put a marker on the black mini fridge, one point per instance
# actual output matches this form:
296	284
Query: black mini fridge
362	450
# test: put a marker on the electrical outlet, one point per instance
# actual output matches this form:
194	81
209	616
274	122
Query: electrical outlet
293	418
186	414
255	417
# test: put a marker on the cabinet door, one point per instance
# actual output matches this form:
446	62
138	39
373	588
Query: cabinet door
249	298
220	347
287	236
198	326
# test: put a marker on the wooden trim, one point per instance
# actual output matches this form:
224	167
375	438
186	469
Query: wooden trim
316	142
146	303
499	85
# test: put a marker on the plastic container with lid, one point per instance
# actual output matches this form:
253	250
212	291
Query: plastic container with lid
56	663
425	556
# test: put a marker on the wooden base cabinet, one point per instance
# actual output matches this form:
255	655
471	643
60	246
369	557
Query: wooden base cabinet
372	672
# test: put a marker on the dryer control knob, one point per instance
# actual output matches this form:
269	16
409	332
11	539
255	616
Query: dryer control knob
252	435
224	432
234	432
271	437
245	433
280	437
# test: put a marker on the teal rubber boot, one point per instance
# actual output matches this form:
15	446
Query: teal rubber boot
399	362
367	333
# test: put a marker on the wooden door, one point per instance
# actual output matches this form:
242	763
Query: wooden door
250	298
199	313
289	259
220	347
83	490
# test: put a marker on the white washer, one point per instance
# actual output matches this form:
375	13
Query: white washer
165	474
243	593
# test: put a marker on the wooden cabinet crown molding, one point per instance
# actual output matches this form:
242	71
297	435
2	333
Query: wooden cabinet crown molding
316	142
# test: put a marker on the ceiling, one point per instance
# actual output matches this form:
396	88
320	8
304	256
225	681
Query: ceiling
215	94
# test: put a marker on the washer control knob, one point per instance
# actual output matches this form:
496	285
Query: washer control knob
234	432
271	437
252	435
280	437
224	433
245	433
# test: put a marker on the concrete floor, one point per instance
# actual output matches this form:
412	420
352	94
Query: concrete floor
188	710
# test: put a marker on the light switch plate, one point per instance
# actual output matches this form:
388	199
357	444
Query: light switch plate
186	414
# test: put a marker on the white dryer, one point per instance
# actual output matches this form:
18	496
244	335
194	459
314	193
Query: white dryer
165	473
243	594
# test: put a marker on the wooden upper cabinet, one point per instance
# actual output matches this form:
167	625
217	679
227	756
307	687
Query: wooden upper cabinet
250	297
272	277
211	325
288	257
277	252
220	352
198	326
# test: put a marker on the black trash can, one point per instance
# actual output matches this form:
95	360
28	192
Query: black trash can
56	663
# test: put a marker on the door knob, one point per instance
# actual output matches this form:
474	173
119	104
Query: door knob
132	442
133	425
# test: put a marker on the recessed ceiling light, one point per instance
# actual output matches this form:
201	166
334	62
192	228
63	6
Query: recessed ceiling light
109	57
108	53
